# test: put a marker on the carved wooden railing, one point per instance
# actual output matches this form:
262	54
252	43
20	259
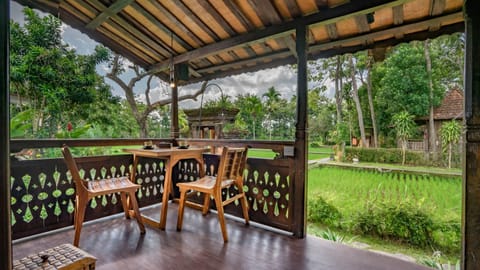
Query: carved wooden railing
43	192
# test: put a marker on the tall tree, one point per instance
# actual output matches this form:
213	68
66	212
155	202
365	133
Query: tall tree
370	100
49	75
272	97
403	84
356	99
338	87
141	115
251	111
431	124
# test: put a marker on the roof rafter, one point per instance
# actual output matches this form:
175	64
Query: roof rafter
329	48
334	15
108	12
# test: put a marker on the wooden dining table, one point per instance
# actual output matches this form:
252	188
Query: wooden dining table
171	156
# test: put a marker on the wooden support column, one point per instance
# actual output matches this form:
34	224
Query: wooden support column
471	167
301	135
5	224
174	127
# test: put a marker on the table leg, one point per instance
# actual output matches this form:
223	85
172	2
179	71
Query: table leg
166	194
129	213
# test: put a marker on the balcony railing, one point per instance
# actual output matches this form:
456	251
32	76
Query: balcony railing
43	191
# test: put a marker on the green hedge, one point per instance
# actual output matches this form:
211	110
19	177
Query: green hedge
387	155
394	156
403	222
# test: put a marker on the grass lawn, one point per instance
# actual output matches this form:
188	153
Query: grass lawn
313	153
350	190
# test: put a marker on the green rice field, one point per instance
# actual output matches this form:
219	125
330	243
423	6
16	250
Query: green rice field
350	189
313	153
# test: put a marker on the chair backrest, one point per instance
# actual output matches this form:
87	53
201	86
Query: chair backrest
72	166
232	164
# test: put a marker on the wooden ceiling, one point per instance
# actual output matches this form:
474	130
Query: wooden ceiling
219	38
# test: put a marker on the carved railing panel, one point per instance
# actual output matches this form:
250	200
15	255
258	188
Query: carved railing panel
43	191
267	184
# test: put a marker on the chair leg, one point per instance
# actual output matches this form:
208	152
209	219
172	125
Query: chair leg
80	215
244	202
206	204
136	210
221	216
181	208
75	214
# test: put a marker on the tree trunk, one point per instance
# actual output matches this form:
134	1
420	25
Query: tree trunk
338	90
431	124
450	155
141	117
370	101
356	99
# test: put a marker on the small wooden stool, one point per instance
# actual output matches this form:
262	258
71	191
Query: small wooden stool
63	257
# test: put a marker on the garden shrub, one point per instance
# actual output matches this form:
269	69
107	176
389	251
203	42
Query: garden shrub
403	222
385	155
322	212
394	156
448	236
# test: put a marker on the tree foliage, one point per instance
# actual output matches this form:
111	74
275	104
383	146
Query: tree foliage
405	128
50	77
450	133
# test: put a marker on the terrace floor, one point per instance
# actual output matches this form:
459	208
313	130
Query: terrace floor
117	244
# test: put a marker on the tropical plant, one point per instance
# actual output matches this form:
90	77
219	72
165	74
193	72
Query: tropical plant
450	133
405	128
50	76
332	236
251	111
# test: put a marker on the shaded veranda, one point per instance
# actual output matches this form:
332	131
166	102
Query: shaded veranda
272	40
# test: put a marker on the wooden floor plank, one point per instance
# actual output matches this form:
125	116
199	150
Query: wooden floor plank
118	244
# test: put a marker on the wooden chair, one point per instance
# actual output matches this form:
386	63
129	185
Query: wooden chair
85	190
230	172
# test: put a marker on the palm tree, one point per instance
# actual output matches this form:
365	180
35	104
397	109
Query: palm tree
250	110
450	134
272	97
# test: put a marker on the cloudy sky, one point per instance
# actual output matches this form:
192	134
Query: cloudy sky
282	78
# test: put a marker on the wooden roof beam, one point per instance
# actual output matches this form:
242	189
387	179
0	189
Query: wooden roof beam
166	30
291	44
293	8
436	7
217	17
197	20
362	23
332	31
334	46
268	14
323	18
108	12
233	7
335	51
392	31
246	62
132	32
165	12
289	60
321	4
